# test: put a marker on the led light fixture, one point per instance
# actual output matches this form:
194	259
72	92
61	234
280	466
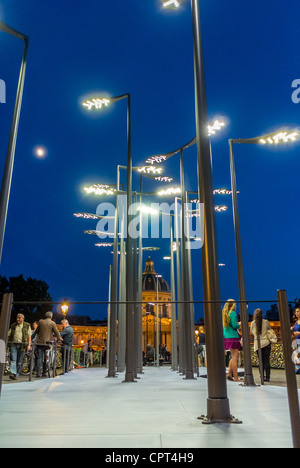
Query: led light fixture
150	170
215	127
169	191
220	208
281	137
171	3
156	159
164	179
96	103
99	189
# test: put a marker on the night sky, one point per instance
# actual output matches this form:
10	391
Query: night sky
78	48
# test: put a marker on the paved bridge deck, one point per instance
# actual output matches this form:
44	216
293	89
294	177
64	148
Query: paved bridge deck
85	409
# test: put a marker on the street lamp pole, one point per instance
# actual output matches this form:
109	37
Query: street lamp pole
218	408
173	305
189	361
98	103
130	355
9	163
114	307
248	378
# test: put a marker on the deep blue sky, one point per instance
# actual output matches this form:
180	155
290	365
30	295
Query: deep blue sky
118	46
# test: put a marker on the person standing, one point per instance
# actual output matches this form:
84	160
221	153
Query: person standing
259	329
87	353
296	328
19	340
232	339
45	333
67	335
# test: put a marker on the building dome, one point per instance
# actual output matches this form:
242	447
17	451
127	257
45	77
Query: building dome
149	281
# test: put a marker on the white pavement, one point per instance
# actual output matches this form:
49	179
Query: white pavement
85	409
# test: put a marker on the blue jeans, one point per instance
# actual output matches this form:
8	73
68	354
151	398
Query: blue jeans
16	358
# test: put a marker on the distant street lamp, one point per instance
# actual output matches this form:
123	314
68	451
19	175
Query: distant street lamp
283	136
65	308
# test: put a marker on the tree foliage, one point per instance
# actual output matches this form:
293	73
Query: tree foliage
27	290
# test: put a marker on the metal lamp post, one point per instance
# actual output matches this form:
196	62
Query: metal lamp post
98	103
157	321
275	138
218	408
9	163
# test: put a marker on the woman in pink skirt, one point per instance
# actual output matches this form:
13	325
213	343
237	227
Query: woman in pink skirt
232	338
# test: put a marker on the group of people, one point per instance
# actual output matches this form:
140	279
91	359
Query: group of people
149	355
21	337
263	334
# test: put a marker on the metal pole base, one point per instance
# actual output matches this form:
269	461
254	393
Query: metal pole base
232	420
218	412
249	381
129	380
189	378
111	374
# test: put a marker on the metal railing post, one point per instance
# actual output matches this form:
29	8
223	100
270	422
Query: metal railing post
291	380
54	361
4	328
33	346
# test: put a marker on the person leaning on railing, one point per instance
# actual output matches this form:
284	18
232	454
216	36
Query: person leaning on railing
19	341
45	333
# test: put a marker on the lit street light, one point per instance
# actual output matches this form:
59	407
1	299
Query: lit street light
218	407
96	103
65	308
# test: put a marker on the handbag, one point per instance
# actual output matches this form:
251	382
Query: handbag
271	335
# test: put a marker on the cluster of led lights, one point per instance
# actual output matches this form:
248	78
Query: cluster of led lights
223	192
87	216
96	103
99	189
170	191
171	3
104	245
215	127
164	179
150	170
281	137
156	159
220	208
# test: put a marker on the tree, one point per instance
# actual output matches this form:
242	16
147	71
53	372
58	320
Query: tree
30	290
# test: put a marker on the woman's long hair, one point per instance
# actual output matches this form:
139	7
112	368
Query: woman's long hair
258	318
228	308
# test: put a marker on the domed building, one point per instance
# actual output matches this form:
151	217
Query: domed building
154	285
